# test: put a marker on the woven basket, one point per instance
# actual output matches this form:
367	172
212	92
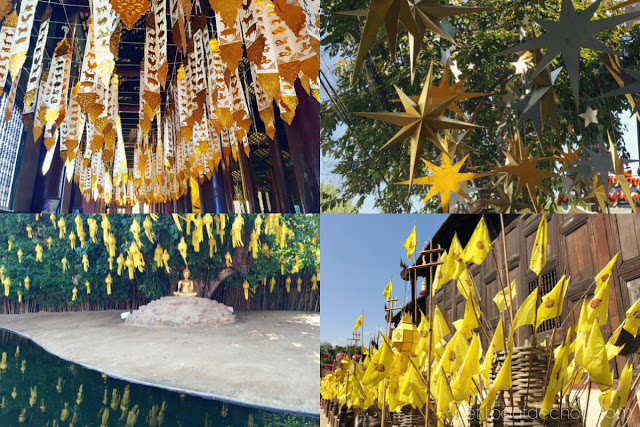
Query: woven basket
528	372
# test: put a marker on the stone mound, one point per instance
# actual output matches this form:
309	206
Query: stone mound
181	312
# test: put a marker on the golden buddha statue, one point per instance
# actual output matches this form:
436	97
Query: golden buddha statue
185	286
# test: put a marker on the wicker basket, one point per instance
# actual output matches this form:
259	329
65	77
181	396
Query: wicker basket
528	373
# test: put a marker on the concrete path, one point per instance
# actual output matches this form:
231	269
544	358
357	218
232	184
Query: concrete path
267	358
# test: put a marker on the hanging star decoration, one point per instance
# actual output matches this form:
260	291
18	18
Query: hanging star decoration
446	179
525	102
422	120
507	200
445	90
416	16
566	36
569	156
618	171
589	116
629	81
524	167
523	64
548	101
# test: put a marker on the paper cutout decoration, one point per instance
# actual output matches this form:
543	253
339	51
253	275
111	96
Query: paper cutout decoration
130	11
566	36
421	121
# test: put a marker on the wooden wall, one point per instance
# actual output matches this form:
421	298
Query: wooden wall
581	245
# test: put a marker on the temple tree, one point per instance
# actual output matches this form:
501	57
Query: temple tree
90	262
536	108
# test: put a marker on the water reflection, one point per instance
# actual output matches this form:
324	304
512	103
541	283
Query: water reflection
40	389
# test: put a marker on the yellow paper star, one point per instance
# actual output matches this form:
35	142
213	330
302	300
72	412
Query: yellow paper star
421	121
445	179
567	158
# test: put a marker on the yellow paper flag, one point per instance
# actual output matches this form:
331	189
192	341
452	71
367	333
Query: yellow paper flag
539	252
497	344
358	323
479	245
410	243
632	322
461	384
455	264
387	290
604	276
441	277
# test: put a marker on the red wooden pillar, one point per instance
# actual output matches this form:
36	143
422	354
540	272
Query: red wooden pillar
280	175
303	136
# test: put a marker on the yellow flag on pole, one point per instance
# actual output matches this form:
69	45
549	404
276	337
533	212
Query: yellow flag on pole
358	323
539	252
455	264
595	359
551	306
410	243
387	291
441	277
503	299
604	276
497	344
479	245
632	322
380	365
502	382
525	315
461	384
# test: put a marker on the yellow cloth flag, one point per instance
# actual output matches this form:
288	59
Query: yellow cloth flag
632	322
455	264
497	344
559	376
595	359
387	291
465	285
442	394
502	382
598	307
461	384
539	252
604	276
551	305
470	319
454	352
440	326
582	329
503	299
380	365
358	323
441	277
410	243
525	315
479	245
620	397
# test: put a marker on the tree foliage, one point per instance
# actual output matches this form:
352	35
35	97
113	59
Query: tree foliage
290	249
354	141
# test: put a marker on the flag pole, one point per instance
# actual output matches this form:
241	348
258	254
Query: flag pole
506	265
414	285
430	328
389	309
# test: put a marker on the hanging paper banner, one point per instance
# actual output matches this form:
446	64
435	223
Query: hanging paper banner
223	107
87	93
103	24
36	64
152	97
177	24
22	38
267	68
56	82
6	40
11	99
230	41
160	19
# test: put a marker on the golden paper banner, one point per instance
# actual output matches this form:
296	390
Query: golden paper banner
36	64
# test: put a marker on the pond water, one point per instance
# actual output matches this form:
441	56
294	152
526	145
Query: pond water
40	389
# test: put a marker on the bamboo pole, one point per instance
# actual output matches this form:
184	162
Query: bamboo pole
430	329
506	264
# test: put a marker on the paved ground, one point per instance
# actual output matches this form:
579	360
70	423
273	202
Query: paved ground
266	358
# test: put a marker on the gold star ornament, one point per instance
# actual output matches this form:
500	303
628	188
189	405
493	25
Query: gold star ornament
445	179
421	121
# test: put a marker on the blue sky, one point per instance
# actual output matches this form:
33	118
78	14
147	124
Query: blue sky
359	254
